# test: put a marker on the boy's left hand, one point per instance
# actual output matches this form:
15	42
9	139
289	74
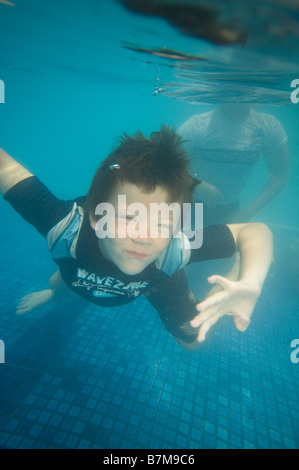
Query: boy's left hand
236	298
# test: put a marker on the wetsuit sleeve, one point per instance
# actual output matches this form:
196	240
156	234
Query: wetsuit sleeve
218	242
175	305
37	205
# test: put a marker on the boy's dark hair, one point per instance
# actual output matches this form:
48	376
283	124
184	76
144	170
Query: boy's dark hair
160	160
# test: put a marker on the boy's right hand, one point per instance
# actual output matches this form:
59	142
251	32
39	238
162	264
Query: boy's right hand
237	299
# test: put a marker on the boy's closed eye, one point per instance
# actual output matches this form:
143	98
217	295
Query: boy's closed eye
126	217
164	228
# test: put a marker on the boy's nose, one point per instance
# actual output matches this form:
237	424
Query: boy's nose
139	232
142	241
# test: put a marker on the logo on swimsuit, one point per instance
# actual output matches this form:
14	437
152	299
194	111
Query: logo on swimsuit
98	293
2	348
295	353
294	94
2	92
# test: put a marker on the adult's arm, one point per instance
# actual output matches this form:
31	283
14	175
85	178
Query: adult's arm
277	162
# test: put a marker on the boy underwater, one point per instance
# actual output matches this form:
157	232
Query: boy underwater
114	269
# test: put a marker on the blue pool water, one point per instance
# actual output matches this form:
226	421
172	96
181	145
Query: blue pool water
79	376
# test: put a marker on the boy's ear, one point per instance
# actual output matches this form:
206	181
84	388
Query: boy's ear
92	221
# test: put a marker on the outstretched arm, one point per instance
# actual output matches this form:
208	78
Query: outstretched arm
11	172
237	298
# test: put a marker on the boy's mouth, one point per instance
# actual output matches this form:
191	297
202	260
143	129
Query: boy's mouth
134	254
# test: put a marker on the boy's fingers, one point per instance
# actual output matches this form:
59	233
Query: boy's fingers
241	323
206	326
214	299
204	316
215	279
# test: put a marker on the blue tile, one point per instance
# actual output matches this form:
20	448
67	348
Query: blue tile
35	430
121	388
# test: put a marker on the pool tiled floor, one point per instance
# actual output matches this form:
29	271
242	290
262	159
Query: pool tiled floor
78	376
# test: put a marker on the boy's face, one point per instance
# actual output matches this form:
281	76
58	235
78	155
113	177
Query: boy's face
131	244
